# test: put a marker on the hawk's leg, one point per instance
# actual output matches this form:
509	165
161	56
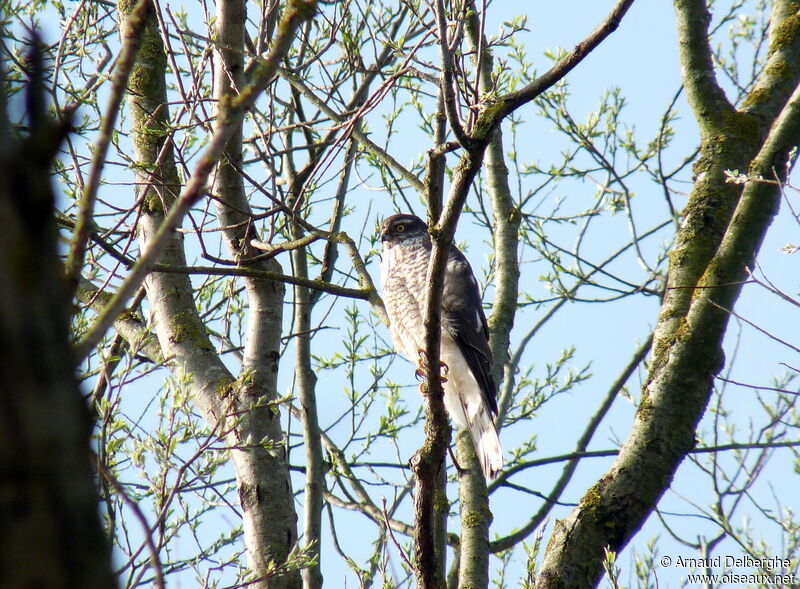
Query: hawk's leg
422	367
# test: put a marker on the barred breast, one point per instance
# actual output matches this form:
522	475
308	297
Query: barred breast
404	268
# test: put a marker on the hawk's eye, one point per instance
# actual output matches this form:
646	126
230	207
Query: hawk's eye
400	227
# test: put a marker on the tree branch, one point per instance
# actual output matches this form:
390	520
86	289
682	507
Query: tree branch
505	105
706	97
365	141
775	84
294	15
579	452
707	270
119	82
447	80
130	326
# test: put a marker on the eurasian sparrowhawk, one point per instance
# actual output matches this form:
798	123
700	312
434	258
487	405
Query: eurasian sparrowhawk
469	388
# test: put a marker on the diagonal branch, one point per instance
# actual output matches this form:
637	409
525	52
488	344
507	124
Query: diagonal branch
129	325
362	138
297	12
122	71
705	95
579	452
721	234
505	105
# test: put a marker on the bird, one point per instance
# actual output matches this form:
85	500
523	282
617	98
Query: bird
470	393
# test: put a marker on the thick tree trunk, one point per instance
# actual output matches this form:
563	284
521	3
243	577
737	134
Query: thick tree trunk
240	410
50	532
719	238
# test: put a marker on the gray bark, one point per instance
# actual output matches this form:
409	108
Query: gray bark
239	409
722	230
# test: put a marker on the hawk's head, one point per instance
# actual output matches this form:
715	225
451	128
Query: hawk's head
398	228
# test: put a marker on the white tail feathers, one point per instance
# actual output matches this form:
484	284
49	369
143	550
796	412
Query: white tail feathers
487	444
465	405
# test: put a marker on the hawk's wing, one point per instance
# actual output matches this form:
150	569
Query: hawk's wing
463	317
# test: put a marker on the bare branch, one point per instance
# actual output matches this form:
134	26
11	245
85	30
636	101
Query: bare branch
508	103
708	100
297	12
368	144
122	71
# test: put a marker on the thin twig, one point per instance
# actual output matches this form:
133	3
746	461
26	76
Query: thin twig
122	71
297	12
